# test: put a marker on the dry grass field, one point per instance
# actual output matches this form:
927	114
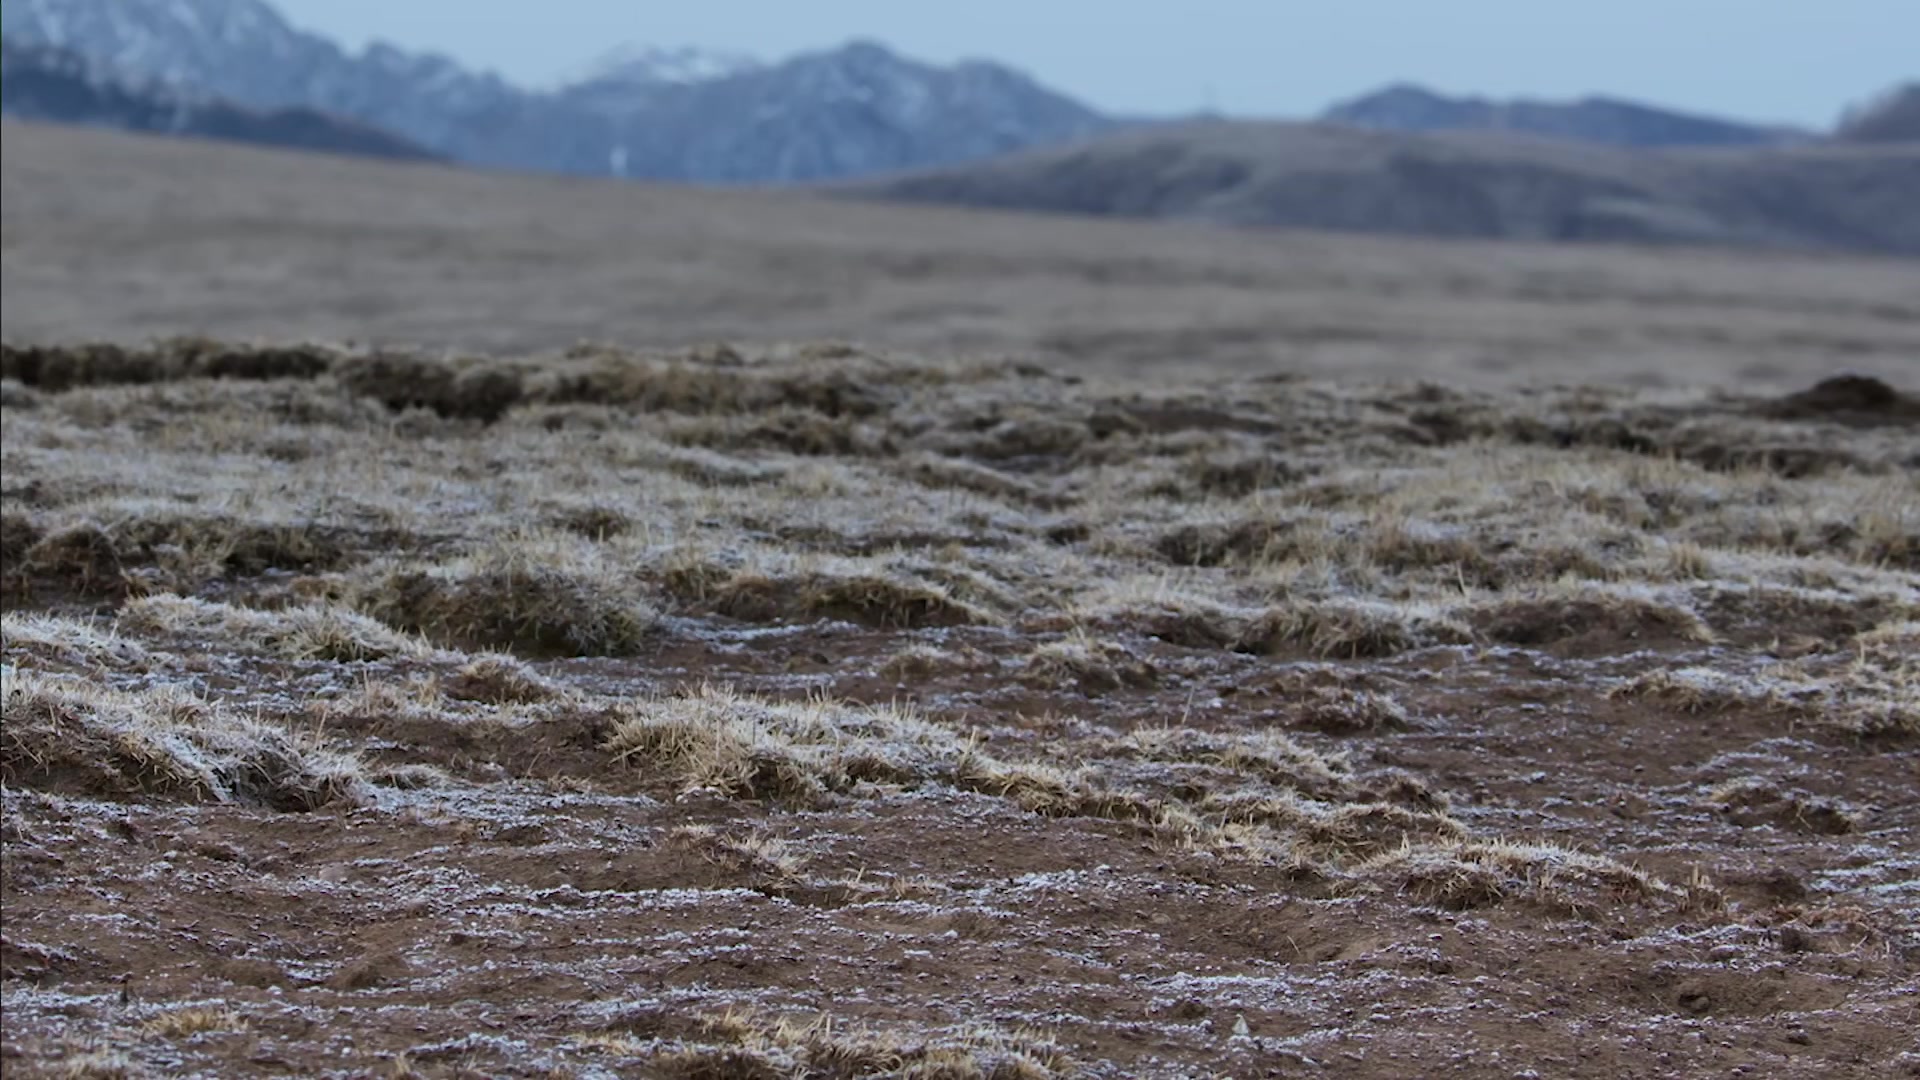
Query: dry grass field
938	707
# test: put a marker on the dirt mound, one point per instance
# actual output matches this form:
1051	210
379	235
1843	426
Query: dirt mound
1856	400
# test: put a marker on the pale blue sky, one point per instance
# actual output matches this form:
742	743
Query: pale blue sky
1780	60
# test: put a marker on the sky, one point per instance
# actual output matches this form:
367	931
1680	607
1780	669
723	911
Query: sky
1789	61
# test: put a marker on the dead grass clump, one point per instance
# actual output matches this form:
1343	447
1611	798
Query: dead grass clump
739	746
454	389
54	368
1251	540
1701	690
1764	610
1267	756
99	1063
1349	628
1339	710
920	661
198	357
935	471
1465	874
1399	545
193	1020
74	644
1891	641
593	521
868	591
1363	830
499	679
801	432
1055	792
62	734
540	595
773	863
1090	666
1595	615
1154	607
232	545
1750	801
719	381
315	632
749	1047
79	559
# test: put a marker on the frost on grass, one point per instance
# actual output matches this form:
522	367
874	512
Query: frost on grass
1588	610
1874	694
884	591
53	641
747	747
746	1045
1086	664
1350	628
66	734
1464	874
313	632
554	594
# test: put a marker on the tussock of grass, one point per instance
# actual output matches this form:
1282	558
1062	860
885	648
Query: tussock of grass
1603	613
1268	756
193	1020
1339	710
773	862
102	1063
54	368
74	644
500	679
743	1046
1465	874
550	595
872	591
1154	607
1702	689
1349	628
1750	800
1085	664
80	558
313	632
1875	695
921	660
745	747
64	734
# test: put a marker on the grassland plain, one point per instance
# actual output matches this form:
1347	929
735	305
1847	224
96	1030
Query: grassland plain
805	711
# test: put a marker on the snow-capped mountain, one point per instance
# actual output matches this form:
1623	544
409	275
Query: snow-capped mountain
44	82
656	64
677	114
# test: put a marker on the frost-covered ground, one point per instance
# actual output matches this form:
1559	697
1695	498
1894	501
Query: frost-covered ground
810	712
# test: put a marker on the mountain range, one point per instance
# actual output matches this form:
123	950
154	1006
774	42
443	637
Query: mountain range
670	115
866	121
42	82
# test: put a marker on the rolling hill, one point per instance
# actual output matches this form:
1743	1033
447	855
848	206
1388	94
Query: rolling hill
1483	185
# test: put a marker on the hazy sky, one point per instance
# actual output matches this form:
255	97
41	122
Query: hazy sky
1785	60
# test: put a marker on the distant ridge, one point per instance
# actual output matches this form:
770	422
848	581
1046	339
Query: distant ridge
1608	121
1456	184
1894	117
